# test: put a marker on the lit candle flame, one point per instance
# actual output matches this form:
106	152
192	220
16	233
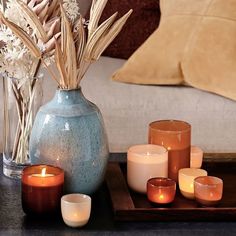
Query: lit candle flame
161	197
43	172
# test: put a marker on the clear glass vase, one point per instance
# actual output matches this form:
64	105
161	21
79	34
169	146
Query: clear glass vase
22	99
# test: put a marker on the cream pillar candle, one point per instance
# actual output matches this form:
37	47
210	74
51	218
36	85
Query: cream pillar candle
145	162
196	157
186	180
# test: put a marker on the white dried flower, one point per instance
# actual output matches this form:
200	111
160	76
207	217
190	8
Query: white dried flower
72	9
13	14
15	57
15	60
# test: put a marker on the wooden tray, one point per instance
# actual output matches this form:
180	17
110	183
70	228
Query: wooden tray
131	206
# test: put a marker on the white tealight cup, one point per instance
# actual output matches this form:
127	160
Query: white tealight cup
186	180
145	162
76	209
196	157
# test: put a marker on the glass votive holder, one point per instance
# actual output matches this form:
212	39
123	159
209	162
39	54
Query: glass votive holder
76	209
42	189
186	180
145	162
208	190
161	190
175	136
196	157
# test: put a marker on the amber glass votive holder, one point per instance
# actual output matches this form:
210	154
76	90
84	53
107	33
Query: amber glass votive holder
42	189
175	136
208	190
161	190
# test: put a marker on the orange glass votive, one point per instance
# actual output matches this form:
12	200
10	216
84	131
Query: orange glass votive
161	190
175	136
208	190
42	189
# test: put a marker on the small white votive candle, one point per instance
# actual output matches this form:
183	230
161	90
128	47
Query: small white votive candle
196	157
186	180
75	209
145	162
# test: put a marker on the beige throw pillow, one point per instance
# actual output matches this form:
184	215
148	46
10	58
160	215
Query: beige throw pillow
210	58
157	61
194	44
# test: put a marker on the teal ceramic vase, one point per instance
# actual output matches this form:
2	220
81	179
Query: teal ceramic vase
69	132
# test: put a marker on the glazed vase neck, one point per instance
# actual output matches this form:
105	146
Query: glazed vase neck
69	97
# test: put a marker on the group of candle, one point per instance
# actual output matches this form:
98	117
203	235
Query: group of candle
42	194
169	159
154	169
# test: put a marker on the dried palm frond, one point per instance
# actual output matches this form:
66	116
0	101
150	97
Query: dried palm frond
24	98
65	55
42	19
78	50
80	39
33	20
95	14
110	36
28	42
96	35
3	3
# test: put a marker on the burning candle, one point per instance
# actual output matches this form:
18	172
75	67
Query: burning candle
75	209
196	157
42	188
208	190
161	190
43	174
145	162
186	180
176	137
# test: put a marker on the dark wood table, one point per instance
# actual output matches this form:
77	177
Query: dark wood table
14	222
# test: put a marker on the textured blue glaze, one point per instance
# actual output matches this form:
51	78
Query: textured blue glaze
69	132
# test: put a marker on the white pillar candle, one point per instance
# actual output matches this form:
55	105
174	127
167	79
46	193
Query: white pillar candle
186	180
145	162
75	209
196	157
